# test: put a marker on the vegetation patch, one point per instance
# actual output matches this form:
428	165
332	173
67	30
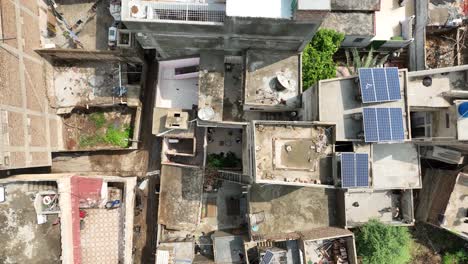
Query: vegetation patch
460	256
98	119
221	160
106	132
378	243
317	57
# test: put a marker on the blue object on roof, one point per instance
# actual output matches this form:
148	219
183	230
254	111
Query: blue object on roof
463	109
267	258
379	84
383	124
354	170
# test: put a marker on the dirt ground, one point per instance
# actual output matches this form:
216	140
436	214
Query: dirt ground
430	244
90	130
441	49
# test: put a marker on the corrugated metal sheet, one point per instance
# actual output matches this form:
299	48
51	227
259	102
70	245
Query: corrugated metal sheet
162	257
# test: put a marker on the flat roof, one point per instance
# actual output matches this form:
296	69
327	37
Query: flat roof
403	159
293	152
444	81
290	209
211	84
355	5
362	206
159	124
23	239
456	211
338	103
261	84
177	90
257	8
180	197
93	83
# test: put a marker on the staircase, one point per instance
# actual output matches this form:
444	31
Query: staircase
40	186
234	177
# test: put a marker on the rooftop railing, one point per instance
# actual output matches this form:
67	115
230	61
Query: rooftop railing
183	12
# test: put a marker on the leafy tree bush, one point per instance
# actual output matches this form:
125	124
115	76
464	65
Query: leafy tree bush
461	256
230	160
378	243
317	57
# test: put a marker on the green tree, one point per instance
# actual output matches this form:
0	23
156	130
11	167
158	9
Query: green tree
378	243
317	57
460	256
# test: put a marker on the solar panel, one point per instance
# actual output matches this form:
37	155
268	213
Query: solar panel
354	170
267	258
348	170
383	124
379	84
362	170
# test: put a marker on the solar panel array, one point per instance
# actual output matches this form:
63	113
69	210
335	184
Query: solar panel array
354	170
383	124
379	84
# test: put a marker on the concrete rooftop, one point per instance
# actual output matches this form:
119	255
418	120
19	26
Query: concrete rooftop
403	159
388	206
25	241
211	84
287	209
351	23
456	211
445	81
293	153
261	85
338	103
180	197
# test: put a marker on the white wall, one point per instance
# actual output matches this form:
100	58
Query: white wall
175	92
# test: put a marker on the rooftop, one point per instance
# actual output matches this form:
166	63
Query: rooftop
92	32
272	81
91	83
446	83
351	23
177	84
339	102
180	197
297	153
282	210
402	158
211	86
456	212
355	5
75	199
327	240
276	8
388	206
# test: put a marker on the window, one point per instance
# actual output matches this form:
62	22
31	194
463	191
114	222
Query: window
185	70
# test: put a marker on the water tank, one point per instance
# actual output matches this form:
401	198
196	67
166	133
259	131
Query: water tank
463	110
206	113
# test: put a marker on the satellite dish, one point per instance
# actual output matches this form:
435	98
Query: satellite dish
206	113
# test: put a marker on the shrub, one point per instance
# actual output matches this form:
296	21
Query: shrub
98	119
117	137
317	57
461	256
230	160
378	243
